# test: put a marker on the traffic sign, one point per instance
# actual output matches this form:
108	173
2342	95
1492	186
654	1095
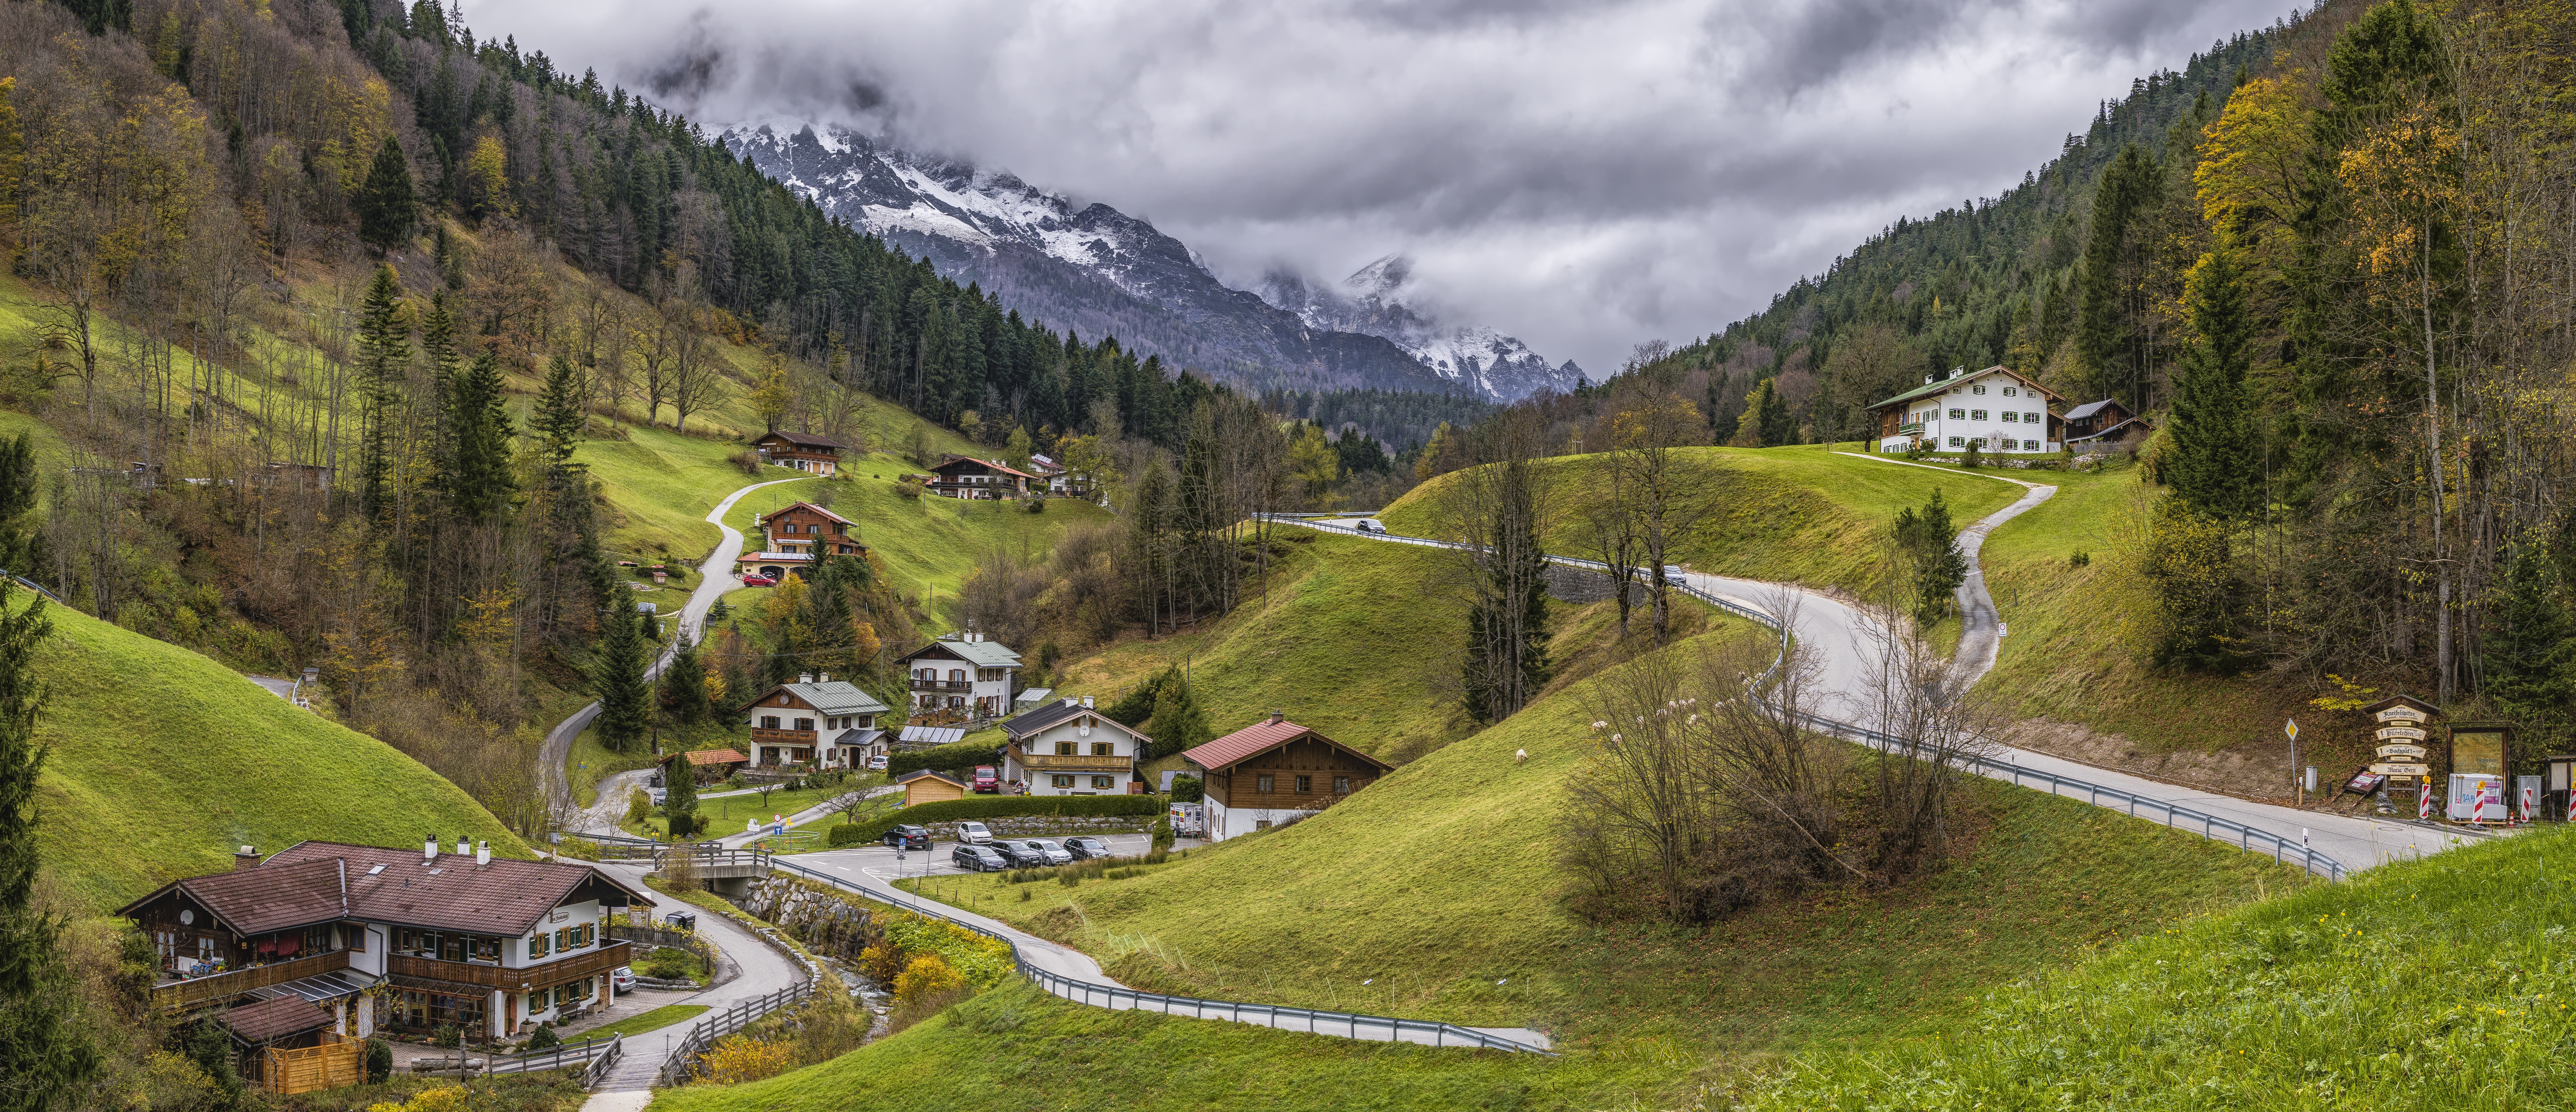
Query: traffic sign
2291	728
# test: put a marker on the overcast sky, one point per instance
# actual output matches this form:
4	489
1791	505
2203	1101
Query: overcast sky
1584	174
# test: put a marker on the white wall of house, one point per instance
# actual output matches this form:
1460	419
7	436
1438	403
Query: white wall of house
1225	822
1976	408
1087	741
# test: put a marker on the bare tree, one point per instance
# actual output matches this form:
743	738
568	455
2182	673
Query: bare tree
1501	509
1611	535
1663	505
696	376
1926	724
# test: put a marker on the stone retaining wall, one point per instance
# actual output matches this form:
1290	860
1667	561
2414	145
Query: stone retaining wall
823	920
1048	826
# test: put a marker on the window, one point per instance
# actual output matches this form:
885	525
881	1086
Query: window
2030	445
956	675
1976	389
2008	391
537	947
2033	418
1976	415
1101	782
1305	784
2010	415
487	949
536	1001
1265	783
1062	781
1955	442
1066	748
1104	749
1341	785
1958	414
769	721
1263	824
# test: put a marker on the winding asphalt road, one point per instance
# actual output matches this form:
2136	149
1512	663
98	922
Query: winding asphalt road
715	577
1846	646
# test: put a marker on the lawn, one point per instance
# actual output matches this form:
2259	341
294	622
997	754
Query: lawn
163	761
634	1025
1802	514
727	814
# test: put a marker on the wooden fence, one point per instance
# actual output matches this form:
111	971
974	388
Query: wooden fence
336	1063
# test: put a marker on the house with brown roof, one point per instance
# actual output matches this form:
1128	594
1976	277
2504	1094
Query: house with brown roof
802	451
795	537
347	939
930	786
968	477
711	766
1275	771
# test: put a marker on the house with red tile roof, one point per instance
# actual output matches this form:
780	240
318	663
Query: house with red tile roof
1274	771
284	949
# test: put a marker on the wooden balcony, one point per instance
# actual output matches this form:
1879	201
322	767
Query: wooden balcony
1076	762
761	736
180	994
598	959
943	685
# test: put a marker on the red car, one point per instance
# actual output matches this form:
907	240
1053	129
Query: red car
988	780
758	581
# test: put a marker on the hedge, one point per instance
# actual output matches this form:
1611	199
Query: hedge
996	806
945	758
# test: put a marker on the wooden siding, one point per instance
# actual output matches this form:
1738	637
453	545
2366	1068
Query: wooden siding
607	956
931	790
180	994
336	1063
1239	786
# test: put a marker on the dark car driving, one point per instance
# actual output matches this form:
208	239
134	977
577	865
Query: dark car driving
908	836
978	859
1087	848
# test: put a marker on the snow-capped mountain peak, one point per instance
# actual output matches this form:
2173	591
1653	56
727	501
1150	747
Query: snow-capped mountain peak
1374	301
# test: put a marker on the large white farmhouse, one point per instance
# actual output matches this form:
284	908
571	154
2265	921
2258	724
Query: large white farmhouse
1995	409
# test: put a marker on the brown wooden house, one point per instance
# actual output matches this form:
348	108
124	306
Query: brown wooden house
2105	426
284	952
930	786
795	536
1273	771
804	452
968	477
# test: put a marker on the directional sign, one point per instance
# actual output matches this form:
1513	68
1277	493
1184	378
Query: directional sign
2393	769
2409	733
2401	752
2401	713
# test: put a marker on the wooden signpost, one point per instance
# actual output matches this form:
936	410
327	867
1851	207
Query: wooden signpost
2404	725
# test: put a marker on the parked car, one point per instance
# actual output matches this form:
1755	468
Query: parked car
1087	848
908	836
681	920
758	581
661	796
978	859
988	779
1040	852
974	833
877	763
622	979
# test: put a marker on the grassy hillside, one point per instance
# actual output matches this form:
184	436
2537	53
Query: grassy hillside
1802	514
2440	983
1018	1050
164	761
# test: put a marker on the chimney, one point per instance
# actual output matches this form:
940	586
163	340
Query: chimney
245	858
1070	701
1086	702
429	849
482	853
1277	718
804	677
462	846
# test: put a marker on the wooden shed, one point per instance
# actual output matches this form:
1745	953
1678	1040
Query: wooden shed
930	786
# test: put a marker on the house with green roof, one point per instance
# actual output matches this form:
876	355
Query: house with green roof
815	722
1998	410
966	674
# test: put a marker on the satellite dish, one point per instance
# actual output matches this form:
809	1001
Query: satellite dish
186	917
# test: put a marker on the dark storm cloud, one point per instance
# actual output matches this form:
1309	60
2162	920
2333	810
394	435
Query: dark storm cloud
1584	173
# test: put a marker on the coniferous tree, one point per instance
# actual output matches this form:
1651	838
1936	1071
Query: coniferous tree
2212	464
684	686
386	208
618	676
18	536
480	482
680	796
382	351
1178	722
46	1057
2531	651
580	577
1779	424
2110	324
1930	544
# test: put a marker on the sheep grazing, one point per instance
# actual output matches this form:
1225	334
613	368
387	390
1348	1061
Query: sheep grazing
1520	755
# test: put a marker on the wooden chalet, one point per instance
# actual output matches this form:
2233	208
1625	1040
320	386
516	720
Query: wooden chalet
1996	410
322	944
816	722
1068	748
2106	425
1275	770
968	477
802	451
964	673
795	536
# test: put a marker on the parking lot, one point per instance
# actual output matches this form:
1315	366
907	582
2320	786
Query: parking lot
879	862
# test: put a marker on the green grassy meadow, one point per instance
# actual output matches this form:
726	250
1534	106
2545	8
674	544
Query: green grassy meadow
633	1025
1801	514
162	761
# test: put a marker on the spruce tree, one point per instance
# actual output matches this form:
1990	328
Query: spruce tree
2211	465
684	686
479	482
18	537
618	675
382	351
680	796
386	208
2108	331
1178	722
2530	647
1931	544
559	418
46	1057
1779	425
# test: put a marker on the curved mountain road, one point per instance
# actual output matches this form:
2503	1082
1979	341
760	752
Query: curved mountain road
1847	652
715	577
